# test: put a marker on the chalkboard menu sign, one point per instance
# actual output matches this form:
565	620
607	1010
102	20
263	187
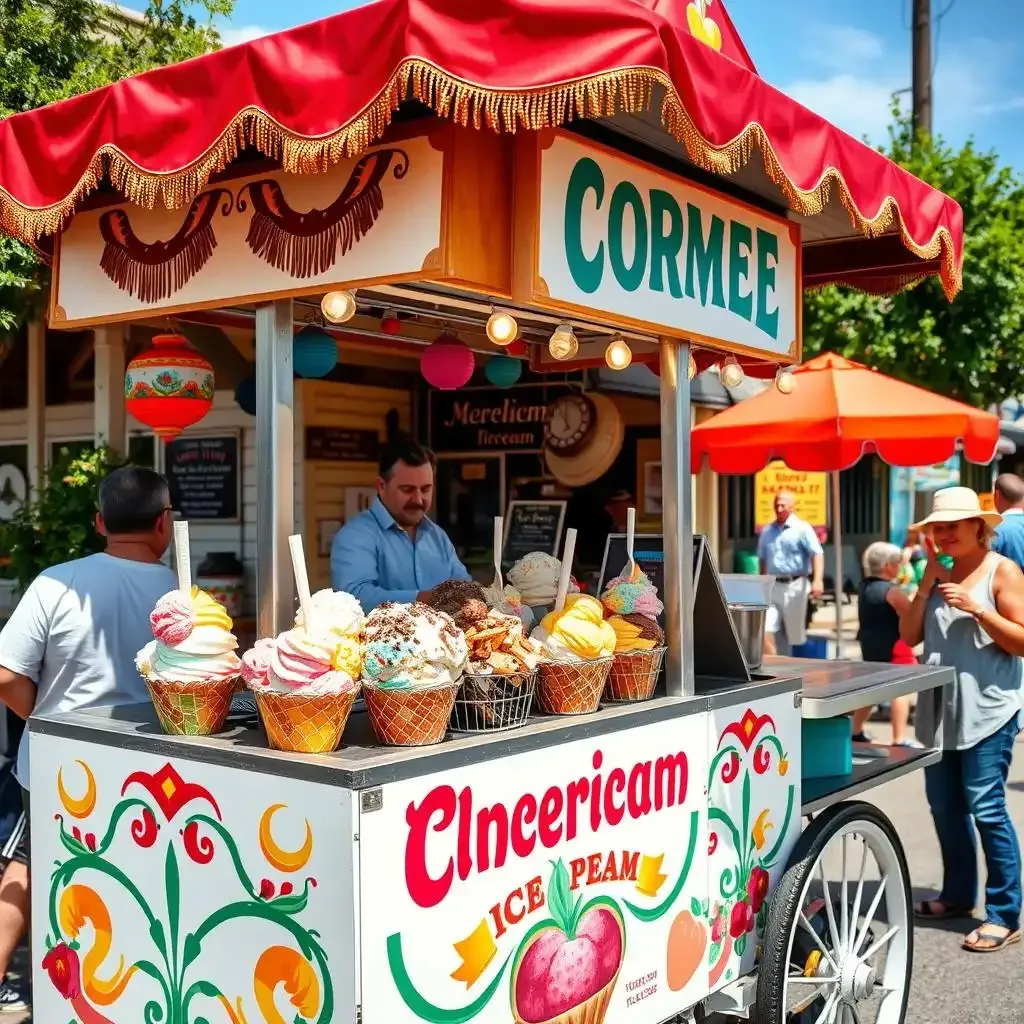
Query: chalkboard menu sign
338	444
204	476
533	526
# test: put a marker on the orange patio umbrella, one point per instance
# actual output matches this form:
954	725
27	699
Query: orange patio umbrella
839	411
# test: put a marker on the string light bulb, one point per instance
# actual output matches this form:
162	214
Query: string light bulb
785	380
563	344
502	328
338	307
732	373
618	355
691	367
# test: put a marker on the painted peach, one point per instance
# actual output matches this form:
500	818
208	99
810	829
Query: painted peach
687	941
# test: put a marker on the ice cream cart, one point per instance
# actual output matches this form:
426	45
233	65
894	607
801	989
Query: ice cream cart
645	862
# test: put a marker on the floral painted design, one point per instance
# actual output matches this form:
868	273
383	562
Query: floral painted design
150	804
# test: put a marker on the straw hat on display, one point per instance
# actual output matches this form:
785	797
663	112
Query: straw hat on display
600	451
953	505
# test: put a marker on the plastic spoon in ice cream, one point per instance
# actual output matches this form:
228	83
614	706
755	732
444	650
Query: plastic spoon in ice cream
181	558
630	538
566	577
302	583
499	536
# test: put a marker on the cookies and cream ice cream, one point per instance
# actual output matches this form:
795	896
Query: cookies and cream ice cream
536	577
579	632
411	645
497	644
632	593
636	633
192	641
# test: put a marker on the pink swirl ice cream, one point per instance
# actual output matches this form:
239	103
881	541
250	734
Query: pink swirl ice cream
632	594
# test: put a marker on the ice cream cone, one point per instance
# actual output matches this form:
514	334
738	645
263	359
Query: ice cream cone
590	1011
634	675
306	724
410	716
192	709
572	688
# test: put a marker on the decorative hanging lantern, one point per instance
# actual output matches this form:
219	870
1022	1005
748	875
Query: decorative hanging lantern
169	386
245	394
503	371
390	324
447	363
314	352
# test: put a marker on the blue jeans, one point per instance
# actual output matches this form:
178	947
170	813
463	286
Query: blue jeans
967	790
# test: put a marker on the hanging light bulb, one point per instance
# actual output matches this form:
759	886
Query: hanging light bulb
785	380
563	343
691	368
338	307
618	355
502	328
732	373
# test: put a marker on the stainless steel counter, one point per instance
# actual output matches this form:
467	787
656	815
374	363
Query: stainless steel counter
360	763
832	688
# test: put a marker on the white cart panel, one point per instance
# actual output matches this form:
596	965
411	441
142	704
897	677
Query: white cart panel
555	883
182	890
754	822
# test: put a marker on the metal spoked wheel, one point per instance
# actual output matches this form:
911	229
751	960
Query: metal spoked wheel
839	942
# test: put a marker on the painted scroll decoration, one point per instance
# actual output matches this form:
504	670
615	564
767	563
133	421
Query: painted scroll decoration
81	939
307	244
152	271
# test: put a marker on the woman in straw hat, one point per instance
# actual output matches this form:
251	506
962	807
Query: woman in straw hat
970	617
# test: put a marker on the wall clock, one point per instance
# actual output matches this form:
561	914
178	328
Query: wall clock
570	423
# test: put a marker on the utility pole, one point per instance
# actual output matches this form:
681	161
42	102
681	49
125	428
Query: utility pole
922	58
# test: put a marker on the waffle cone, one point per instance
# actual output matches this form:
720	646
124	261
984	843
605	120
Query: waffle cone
634	675
572	689
192	709
410	717
306	724
591	1011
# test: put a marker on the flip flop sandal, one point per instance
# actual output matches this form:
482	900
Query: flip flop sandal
927	911
982	941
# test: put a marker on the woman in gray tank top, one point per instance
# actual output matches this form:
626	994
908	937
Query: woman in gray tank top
970	616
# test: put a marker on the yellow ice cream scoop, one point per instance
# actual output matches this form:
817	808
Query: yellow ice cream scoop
580	626
348	657
629	637
208	612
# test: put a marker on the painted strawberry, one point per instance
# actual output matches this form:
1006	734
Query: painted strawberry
757	888
718	928
570	961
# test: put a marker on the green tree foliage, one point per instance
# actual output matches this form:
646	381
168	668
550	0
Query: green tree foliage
53	49
971	349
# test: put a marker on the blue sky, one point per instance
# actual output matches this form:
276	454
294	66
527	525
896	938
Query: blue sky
843	59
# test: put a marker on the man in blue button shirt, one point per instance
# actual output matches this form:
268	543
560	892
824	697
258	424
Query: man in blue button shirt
789	550
392	551
1008	498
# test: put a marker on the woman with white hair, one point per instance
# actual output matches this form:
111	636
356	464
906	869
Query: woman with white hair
879	605
970	617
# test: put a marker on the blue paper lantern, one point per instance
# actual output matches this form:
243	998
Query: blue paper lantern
503	371
314	352
245	394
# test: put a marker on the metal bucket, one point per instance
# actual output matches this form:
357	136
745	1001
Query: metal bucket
749	620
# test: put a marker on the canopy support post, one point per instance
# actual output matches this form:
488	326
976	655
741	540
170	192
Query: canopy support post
837	544
275	493
677	515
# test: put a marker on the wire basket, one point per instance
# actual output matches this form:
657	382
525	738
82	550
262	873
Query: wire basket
634	676
487	703
572	688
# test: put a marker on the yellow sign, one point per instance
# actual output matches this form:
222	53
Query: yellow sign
809	489
987	502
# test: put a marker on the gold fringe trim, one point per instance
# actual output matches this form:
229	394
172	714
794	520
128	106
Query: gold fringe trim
627	90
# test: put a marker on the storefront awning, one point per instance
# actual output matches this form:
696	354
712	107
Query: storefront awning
315	94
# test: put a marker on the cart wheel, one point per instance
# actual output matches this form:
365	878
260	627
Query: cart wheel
839	951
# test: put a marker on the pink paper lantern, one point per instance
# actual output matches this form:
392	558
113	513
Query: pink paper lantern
447	364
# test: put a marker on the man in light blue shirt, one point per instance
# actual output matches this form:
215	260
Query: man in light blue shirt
789	550
392	551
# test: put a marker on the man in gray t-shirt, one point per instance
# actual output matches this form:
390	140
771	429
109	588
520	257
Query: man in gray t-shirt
71	643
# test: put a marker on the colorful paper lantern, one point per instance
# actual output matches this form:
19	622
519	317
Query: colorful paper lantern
169	386
245	394
447	363
314	352
503	371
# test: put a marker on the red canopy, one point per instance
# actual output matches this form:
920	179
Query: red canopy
840	411
317	93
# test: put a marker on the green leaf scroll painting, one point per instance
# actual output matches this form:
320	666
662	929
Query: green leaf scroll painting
172	968
750	743
591	934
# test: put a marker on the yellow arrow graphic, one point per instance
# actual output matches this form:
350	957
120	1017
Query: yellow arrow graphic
476	951
649	878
